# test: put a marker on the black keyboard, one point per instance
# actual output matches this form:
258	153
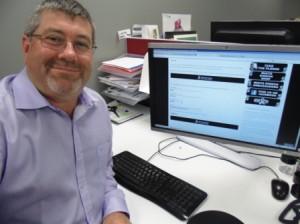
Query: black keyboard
169	192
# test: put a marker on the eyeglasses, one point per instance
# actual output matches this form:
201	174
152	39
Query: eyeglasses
58	43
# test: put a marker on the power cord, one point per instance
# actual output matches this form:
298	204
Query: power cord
291	214
160	149
245	152
175	140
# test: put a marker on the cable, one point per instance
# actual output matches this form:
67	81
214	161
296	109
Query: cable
259	154
251	153
158	146
245	152
160	152
269	168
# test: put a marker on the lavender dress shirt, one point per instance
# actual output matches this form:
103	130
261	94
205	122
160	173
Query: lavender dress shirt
54	169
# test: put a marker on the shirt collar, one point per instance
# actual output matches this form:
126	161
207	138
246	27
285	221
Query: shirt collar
26	94
28	97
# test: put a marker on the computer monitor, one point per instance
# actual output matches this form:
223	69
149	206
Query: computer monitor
232	93
256	32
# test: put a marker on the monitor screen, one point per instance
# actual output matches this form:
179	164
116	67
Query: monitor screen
256	32
236	93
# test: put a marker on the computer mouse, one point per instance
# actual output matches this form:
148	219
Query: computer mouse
280	189
214	217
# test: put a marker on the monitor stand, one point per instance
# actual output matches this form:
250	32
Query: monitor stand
246	161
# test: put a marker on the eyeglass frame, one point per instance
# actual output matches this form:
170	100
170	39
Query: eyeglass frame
61	46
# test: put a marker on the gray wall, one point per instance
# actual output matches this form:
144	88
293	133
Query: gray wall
113	15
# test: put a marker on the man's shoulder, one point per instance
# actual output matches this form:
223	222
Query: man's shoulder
6	84
5	87
93	96
6	97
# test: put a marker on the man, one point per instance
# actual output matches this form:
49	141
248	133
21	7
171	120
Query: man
55	134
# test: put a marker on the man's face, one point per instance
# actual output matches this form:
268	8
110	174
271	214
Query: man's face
59	74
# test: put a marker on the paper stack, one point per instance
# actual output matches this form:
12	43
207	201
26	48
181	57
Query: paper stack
126	66
130	98
122	75
126	84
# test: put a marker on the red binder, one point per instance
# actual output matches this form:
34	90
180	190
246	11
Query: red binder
139	46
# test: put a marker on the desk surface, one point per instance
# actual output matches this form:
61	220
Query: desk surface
242	193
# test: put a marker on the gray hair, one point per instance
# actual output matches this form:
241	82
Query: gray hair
71	7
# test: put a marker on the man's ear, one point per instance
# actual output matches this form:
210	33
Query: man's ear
25	44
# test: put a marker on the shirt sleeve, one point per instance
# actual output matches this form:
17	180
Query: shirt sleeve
2	152
114	200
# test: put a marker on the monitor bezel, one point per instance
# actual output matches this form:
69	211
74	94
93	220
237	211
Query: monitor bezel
207	45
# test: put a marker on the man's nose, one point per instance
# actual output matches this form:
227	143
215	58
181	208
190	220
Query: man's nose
69	51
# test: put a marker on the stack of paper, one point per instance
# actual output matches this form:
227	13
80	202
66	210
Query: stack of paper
127	66
130	85
122	75
124	96
118	71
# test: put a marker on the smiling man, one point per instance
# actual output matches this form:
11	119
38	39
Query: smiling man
55	134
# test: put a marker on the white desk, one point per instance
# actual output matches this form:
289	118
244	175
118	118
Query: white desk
244	194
